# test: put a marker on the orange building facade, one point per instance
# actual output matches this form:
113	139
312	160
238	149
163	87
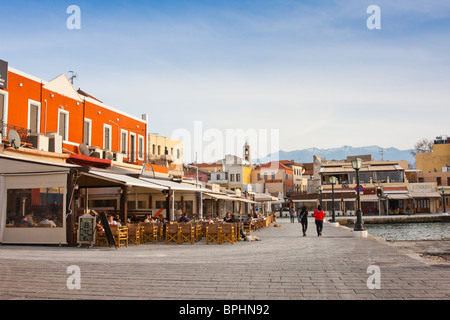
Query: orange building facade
54	109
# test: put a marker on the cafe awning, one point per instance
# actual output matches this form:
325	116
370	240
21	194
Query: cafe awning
97	178
398	196
265	197
174	185
243	200
425	194
369	198
218	196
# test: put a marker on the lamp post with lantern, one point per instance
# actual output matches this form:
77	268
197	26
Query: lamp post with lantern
359	230
333	214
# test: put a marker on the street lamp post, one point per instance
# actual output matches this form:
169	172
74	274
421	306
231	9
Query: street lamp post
333	214
359	230
443	200
319	190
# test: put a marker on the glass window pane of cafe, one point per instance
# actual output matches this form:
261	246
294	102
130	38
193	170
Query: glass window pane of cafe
39	207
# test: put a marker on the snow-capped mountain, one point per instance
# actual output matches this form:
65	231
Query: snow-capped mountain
306	155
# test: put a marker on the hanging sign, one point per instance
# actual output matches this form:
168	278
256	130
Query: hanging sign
3	74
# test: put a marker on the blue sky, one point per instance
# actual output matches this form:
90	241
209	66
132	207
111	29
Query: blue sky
311	69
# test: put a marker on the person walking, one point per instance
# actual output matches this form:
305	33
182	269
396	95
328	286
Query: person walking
319	215
292	214
303	216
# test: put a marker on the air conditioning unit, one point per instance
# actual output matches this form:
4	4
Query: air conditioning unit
39	141
96	152
108	155
118	156
54	142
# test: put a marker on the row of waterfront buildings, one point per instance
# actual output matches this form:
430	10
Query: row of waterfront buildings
64	152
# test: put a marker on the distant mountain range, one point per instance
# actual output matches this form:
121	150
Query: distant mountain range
378	153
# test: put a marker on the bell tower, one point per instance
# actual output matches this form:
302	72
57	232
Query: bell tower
247	156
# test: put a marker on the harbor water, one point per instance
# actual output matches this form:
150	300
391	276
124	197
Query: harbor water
411	231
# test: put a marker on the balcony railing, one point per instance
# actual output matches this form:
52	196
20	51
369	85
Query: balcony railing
23	133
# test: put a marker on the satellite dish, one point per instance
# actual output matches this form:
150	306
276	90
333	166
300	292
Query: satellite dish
14	139
83	149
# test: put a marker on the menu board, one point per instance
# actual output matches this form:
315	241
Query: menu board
86	229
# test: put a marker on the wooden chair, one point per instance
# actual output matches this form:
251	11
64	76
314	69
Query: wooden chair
161	231
247	228
100	238
133	233
173	233
149	232
227	233
237	232
187	232
213	233
198	231
121	236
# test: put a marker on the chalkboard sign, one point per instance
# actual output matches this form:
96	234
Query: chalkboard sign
86	229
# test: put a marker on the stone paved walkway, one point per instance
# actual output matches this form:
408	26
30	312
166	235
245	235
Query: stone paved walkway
284	265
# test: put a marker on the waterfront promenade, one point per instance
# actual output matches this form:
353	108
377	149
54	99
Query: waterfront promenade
283	265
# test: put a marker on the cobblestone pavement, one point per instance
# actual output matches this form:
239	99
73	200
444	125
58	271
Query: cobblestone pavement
283	265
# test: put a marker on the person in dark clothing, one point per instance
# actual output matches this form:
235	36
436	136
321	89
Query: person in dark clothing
184	218
304	219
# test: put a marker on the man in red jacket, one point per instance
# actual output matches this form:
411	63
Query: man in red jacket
319	215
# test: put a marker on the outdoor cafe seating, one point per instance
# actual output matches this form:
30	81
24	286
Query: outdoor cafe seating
217	232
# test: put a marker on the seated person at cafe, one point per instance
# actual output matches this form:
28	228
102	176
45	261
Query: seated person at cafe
249	219
234	220
112	222
30	217
25	223
227	217
47	221
183	218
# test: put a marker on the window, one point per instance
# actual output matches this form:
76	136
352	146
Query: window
3	106
273	175
107	137
178	153
265	176
238	177
124	141
258	176
87	131
132	147
232	177
141	147
34	116
153	149
218	176
34	207
63	124
159	150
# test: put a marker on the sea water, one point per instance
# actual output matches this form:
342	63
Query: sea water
411	231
